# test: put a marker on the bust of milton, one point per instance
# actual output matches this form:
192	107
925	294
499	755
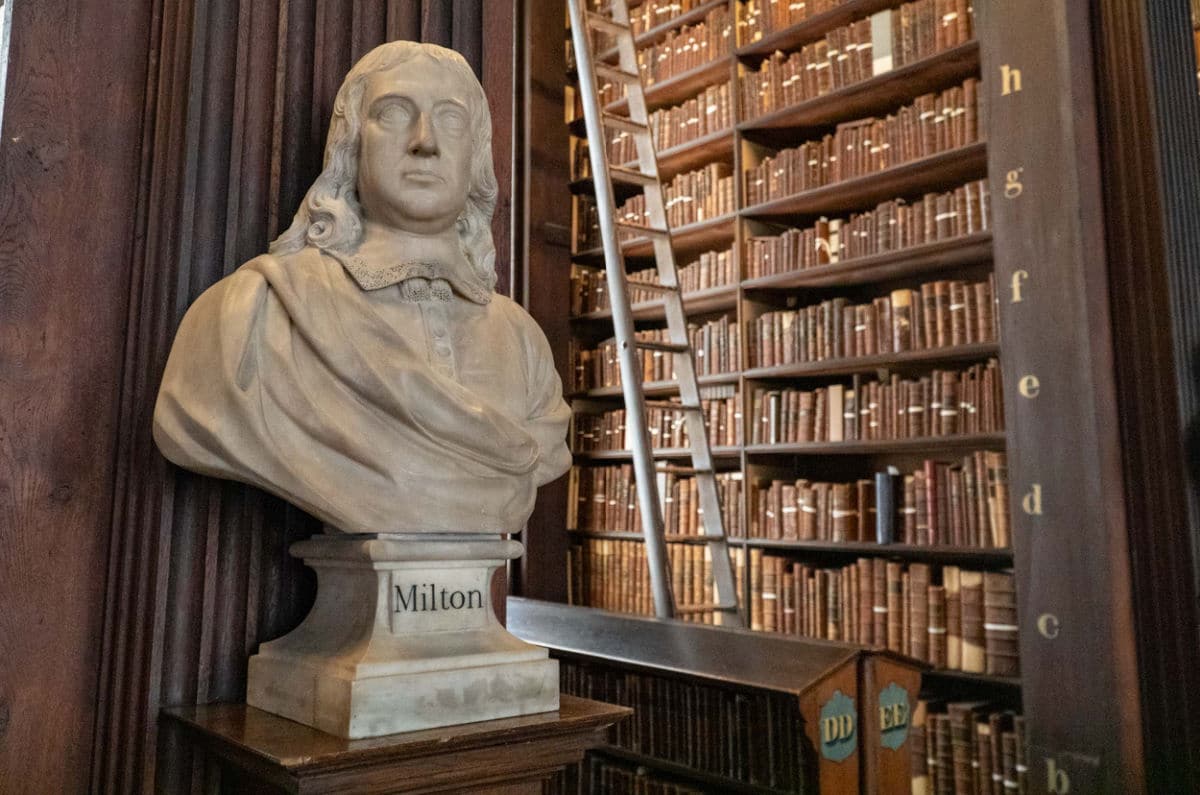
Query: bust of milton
364	369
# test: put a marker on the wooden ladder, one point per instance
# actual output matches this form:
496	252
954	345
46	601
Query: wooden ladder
645	178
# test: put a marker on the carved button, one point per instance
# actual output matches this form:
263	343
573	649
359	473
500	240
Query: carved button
442	349
437	330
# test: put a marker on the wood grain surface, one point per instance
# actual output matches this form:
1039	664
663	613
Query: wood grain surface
68	189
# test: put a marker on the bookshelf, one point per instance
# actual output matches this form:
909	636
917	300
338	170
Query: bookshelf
905	258
743	144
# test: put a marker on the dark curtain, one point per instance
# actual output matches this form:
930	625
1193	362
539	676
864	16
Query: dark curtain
237	104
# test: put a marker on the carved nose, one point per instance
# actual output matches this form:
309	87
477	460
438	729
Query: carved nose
423	141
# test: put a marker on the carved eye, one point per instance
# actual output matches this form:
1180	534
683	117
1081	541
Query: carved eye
452	121
395	114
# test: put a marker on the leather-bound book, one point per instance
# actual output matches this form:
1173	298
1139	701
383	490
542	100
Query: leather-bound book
833	606
1000	624
867	520
908	519
770	593
756	589
921	535
942	296
918	759
997	475
952	582
1021	764
895	609
971	598
1008	761
905	618
963	716
958	313
932	506
879	597
963	21
886	487
918	610
901	325
787	594
882	325
970	310
929	312
984	314
957	518
835	410
937	626
983	758
943	755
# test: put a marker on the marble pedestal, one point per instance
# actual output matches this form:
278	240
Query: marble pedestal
402	637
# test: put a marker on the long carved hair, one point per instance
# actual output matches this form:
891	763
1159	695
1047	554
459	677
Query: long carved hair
330	216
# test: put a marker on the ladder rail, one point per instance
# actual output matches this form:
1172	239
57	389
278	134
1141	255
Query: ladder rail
678	346
643	463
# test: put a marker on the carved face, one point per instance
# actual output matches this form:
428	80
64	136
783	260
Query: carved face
415	156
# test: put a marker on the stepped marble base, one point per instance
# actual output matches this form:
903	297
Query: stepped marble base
403	636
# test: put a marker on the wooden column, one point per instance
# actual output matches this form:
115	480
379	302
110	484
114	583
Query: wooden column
1092	290
69	186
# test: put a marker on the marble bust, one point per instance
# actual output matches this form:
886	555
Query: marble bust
366	371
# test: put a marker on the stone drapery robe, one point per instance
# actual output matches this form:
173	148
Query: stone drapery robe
374	414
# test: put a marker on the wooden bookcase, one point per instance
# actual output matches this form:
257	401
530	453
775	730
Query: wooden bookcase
741	146
1094	214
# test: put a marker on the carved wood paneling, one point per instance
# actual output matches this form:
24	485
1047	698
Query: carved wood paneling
237	105
68	185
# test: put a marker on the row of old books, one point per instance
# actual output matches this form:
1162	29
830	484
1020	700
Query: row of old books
950	617
944	403
961	503
603	499
654	13
589	287
722	410
856	52
687	48
667	428
708	112
614	575
762	18
967	748
754	737
939	314
689	198
932	124
715	344
892	226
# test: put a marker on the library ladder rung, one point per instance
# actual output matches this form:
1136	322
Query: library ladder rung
663	347
617	75
624	124
605	24
669	405
645	231
629	176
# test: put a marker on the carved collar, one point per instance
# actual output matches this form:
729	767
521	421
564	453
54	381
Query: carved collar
432	273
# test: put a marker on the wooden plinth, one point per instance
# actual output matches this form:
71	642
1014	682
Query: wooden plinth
247	750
